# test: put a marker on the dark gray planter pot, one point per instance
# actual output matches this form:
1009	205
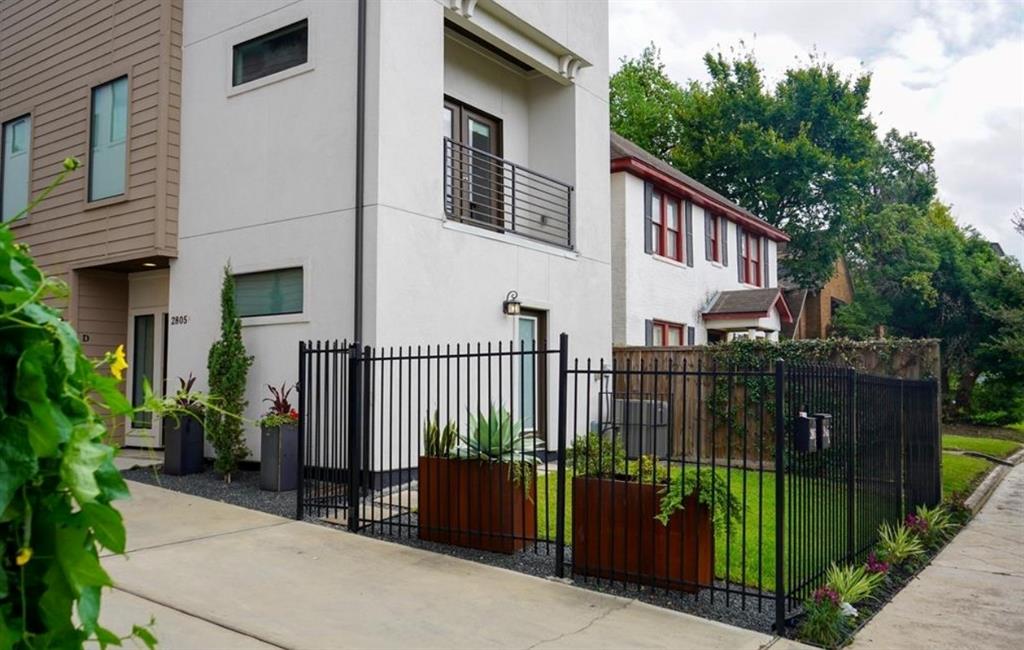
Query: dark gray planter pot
183	445
279	452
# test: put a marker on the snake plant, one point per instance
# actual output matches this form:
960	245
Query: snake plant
438	442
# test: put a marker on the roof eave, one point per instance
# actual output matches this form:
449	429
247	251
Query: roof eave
643	170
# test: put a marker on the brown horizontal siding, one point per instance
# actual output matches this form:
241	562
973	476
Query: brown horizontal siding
51	53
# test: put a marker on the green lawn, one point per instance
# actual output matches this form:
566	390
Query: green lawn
742	567
962	473
990	446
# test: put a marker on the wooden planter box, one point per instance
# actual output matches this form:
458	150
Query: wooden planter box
475	504
615	536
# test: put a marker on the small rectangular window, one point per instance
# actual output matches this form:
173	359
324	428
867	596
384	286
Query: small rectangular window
108	138
666	226
264	55
14	166
269	293
665	333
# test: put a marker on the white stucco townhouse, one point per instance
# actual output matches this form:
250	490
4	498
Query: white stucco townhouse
482	172
689	267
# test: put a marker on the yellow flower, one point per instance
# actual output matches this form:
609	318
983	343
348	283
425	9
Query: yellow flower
118	364
24	555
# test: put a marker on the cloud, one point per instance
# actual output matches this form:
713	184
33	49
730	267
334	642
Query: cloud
951	71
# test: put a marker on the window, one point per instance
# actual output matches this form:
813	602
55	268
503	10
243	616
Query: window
14	166
667	334
142	366
714	237
271	53
474	172
666	229
108	136
269	293
750	257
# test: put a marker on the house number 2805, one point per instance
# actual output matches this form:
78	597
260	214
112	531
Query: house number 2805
179	320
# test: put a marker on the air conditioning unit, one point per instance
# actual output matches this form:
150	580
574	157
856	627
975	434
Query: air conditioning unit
640	423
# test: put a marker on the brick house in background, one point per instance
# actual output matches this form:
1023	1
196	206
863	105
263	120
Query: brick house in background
813	309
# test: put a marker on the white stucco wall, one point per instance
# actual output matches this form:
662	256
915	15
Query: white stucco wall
651	287
267	182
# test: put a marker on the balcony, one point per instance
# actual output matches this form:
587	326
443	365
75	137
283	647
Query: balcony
487	191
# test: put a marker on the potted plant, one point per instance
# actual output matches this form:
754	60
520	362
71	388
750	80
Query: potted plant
636	521
478	490
279	442
183	431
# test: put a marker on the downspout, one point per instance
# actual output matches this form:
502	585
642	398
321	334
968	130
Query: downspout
357	330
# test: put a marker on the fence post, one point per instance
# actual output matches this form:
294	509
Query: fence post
301	450
851	453
355	420
780	475
900	469
563	389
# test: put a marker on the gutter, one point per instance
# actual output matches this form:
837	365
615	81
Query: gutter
357	329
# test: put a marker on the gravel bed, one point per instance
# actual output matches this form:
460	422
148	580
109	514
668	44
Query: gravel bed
244	489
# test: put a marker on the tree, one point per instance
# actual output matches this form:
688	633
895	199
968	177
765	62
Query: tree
228	365
799	155
1018	220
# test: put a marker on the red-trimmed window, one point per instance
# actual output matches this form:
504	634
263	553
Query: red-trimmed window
667	226
665	333
752	259
715	237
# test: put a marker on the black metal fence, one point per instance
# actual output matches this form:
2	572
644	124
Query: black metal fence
740	484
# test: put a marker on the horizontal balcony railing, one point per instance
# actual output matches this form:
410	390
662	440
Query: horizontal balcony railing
485	190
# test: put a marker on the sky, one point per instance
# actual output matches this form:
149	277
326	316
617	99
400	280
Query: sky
951	71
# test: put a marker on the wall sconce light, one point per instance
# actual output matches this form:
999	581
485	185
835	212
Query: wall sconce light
511	306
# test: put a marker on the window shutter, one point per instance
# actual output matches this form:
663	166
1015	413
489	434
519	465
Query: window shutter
689	233
725	241
691	336
648	332
739	253
764	263
648	192
707	235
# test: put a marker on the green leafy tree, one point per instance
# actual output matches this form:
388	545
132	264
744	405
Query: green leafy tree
800	154
228	365
58	482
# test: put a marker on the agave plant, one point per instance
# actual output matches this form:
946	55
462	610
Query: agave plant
438	442
497	438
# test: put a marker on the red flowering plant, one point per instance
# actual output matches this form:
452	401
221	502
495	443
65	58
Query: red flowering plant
875	565
917	524
280	411
824	621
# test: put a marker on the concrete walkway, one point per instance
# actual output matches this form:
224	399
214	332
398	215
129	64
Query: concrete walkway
972	595
218	576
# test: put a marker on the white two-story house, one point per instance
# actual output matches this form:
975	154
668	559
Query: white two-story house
481	171
689	266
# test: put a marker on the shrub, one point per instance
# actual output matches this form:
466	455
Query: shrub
597	455
228	365
824	622
853	583
898	544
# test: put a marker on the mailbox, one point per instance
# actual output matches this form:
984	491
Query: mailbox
805	435
823	424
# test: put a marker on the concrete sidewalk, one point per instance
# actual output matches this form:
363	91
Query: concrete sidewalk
972	595
218	576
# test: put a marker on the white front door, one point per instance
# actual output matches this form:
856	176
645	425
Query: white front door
147	360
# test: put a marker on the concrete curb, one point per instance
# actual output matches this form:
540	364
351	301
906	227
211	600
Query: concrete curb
982	493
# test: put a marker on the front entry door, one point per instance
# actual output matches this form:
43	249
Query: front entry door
147	363
532	335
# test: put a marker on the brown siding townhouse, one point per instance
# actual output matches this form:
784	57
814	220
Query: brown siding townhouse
99	80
